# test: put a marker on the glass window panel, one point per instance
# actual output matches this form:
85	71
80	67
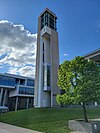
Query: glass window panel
8	81
26	90
30	82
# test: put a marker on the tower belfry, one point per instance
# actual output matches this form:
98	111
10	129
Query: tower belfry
47	61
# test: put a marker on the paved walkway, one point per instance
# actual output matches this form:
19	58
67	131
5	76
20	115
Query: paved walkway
6	128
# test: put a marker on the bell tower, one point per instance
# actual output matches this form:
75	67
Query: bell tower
47	61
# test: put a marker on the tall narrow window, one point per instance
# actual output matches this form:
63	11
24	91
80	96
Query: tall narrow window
48	75
43	52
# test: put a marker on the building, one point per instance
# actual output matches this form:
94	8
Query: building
94	55
47	61
16	92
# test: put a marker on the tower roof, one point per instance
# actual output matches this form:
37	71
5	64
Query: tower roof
48	10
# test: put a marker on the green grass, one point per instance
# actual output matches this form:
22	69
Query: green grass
47	120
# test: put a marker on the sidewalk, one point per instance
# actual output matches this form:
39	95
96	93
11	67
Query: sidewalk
6	128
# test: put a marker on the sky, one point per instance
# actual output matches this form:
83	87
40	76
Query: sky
78	27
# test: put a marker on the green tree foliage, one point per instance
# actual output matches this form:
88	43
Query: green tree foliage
80	81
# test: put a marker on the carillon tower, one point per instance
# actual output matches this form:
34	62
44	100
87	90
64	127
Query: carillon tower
47	61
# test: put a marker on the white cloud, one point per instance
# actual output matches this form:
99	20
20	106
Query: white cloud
65	54
23	71
19	47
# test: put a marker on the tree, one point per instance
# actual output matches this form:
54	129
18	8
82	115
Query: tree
80	80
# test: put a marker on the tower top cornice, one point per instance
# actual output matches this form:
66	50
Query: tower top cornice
48	10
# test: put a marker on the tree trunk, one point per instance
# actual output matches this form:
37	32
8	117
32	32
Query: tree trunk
85	113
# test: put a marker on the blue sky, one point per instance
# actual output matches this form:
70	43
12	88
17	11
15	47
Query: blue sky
78	27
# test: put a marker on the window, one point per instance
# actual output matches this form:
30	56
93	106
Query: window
47	75
8	81
47	19
26	90
30	82
43	52
22	81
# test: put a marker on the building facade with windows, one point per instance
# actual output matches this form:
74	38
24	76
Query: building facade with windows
16	92
95	56
47	61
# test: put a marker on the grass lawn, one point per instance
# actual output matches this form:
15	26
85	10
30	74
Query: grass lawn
47	120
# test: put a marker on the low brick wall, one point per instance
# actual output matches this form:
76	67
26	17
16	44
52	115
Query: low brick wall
93	126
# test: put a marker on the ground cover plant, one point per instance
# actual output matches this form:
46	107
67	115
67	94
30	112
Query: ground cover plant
47	120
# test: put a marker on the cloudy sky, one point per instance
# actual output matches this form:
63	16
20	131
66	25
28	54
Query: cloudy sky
78	27
17	49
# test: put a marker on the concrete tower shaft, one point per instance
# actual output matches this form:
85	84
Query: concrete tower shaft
47	61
